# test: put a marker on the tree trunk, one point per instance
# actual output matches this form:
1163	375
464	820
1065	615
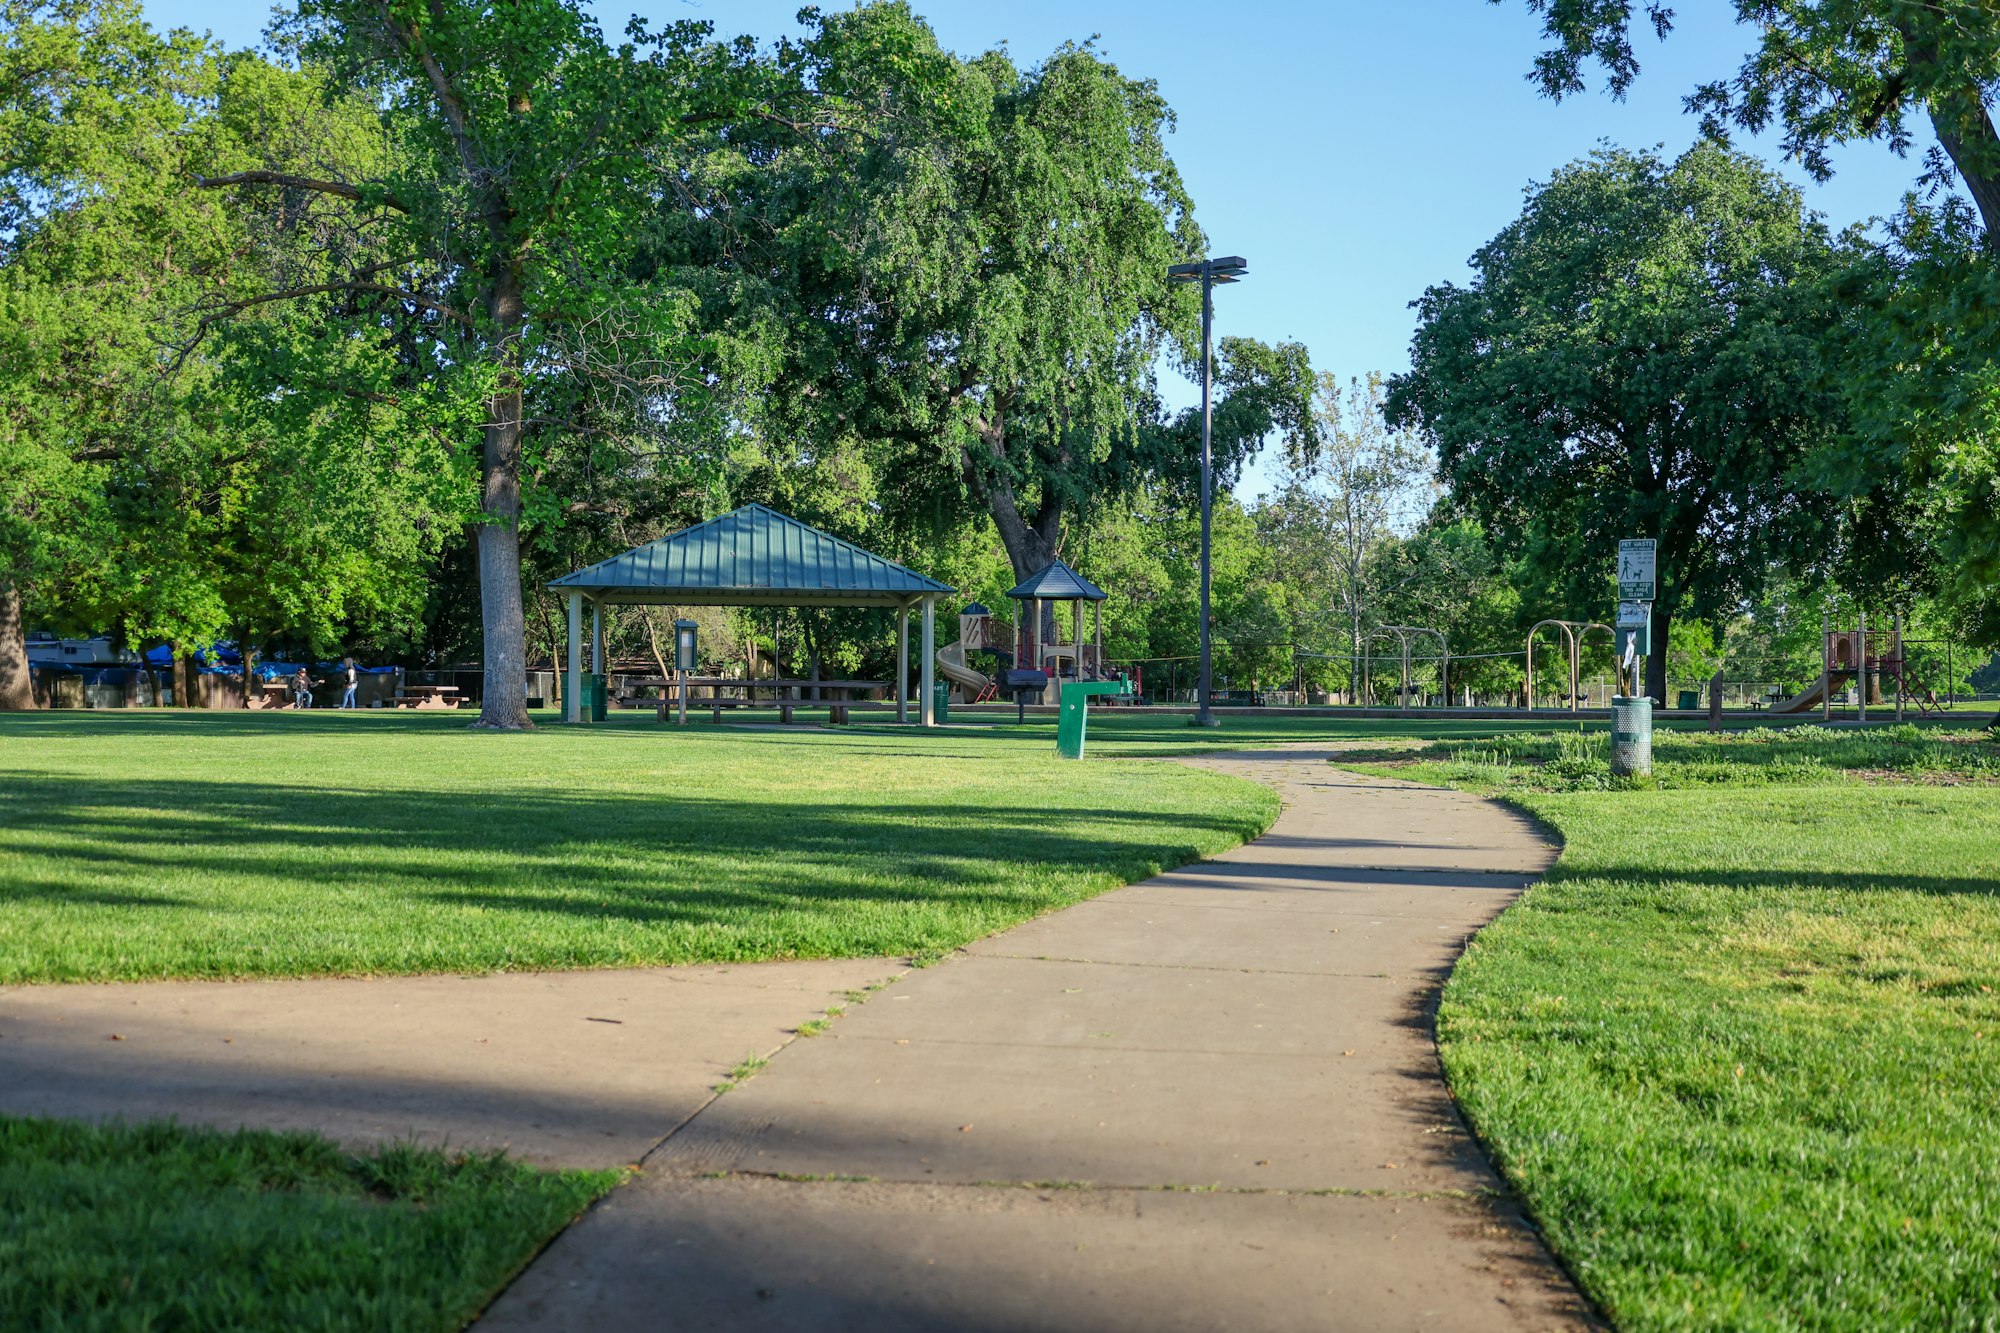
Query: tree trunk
1031	547
1984	189
1964	130
504	696
1354	653
249	657
187	680
17	692
1656	661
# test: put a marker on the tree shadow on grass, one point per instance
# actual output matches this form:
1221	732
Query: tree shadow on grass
1764	881
788	874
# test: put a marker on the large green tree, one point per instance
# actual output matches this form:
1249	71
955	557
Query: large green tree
97	248
1919	353
1637	355
972	291
1368	486
270	477
523	148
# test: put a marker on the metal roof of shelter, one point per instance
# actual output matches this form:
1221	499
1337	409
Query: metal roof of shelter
751	556
1058	583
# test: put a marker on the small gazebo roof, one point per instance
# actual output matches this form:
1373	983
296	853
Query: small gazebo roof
751	556
1058	583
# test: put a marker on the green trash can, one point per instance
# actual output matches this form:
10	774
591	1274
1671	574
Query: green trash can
1632	737
1688	699
593	696
940	701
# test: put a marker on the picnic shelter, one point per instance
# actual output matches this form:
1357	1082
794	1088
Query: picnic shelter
753	556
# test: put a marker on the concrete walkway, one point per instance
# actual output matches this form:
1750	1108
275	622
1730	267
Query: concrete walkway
559	1068
1207	1101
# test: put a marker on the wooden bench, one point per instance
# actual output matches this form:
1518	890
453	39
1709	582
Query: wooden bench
784	695
668	703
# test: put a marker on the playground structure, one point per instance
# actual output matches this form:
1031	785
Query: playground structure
975	625
1856	655
1574	632
1403	634
1035	658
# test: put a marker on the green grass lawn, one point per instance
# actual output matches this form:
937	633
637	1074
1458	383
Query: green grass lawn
1740	1050
167	844
164	1227
209	844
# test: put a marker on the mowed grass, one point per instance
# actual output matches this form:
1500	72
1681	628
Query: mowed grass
187	844
1740	1051
165	1227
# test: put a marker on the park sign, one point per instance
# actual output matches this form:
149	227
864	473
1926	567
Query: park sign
1638	566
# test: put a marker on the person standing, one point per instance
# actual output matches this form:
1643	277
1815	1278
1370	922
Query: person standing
350	678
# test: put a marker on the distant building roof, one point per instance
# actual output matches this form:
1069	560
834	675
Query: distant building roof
751	556
1058	583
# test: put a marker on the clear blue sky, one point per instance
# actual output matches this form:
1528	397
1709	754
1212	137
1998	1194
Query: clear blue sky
1353	151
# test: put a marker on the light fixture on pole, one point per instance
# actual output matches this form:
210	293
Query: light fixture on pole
1207	272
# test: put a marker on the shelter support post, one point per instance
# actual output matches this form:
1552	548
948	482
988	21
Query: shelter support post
1097	632
903	663
573	669
597	638
1900	664
927	697
1862	676
1076	620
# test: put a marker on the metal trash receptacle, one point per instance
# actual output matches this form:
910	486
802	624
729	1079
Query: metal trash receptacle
1632	737
940	701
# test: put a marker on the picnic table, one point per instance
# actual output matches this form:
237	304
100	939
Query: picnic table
785	693
273	694
426	696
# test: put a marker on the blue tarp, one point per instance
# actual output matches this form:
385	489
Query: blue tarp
222	659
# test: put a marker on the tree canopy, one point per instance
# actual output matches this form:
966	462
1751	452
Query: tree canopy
973	292
1824	72
1637	355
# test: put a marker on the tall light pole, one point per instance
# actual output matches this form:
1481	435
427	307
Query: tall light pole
1208	272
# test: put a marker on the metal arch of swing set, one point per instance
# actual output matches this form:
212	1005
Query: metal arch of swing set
1402	634
1574	631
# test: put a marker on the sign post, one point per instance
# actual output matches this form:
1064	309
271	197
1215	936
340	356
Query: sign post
1632	715
1634	640
684	661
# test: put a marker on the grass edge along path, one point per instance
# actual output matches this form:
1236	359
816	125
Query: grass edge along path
161	1225
1737	1050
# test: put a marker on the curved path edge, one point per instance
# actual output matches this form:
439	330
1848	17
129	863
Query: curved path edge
1210	1099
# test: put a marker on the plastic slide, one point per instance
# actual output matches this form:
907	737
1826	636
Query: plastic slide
1809	697
972	684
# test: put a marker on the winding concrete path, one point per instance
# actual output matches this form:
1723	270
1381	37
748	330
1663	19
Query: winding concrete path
1207	1101
558	1068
